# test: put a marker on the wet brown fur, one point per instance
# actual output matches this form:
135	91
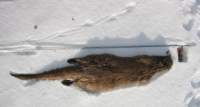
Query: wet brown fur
105	72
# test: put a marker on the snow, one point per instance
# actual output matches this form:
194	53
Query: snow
65	26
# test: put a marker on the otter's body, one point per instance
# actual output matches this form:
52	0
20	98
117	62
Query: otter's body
105	72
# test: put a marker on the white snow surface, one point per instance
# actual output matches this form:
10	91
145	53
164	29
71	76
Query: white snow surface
34	32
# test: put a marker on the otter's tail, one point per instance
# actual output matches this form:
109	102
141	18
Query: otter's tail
58	74
28	76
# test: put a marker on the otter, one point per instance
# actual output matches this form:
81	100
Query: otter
105	72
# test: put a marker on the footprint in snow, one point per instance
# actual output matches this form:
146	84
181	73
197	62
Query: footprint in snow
192	99
189	24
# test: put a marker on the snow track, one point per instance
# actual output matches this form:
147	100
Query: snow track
192	12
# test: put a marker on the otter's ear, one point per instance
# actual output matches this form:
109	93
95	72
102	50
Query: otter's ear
67	82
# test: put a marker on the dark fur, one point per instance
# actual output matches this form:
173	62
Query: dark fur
105	72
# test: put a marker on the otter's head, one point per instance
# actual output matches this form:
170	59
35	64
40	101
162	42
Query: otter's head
165	61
